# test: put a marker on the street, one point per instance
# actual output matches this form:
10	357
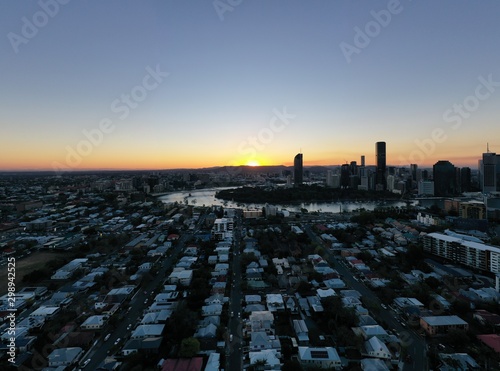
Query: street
99	353
234	350
415	344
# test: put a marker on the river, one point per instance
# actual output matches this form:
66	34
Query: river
206	197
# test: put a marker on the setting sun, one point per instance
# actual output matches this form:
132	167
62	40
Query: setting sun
253	163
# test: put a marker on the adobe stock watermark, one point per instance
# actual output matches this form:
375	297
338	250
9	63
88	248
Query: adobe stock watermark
454	115
31	25
224	6
363	36
265	136
254	144
121	106
58	340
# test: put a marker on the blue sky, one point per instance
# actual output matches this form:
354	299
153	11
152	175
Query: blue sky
229	73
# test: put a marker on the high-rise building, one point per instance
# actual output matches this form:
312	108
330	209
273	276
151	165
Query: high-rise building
362	160
419	175
298	169
458	181
391	181
413	169
364	183
444	179
345	176
354	181
460	250
380	155
488	177
353	168
336	181
332	179
425	188
329	178
465	179
425	175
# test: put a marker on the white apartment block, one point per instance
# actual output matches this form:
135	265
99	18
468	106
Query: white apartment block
473	254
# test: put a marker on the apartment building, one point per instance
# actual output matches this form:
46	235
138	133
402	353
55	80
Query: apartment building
472	254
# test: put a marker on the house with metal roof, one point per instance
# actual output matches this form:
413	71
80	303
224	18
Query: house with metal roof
374	347
64	356
434	325
325	357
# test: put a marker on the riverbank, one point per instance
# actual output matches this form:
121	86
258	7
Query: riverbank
207	197
303	194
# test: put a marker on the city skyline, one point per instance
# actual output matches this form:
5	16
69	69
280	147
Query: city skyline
193	85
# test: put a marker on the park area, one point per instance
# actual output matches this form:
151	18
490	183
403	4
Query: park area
26	265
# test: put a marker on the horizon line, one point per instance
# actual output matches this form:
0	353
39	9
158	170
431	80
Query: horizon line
184	168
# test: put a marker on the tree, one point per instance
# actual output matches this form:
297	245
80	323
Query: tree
433	282
247	258
460	307
364	218
457	338
189	347
182	323
36	276
291	366
319	250
304	288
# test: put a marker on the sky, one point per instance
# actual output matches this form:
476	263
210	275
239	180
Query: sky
190	84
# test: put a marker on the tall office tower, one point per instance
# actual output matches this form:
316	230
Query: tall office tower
329	178
362	168
362	171
465	179
371	179
497	172
444	179
480	173
380	155
458	181
425	175
413	169
488	178
344	176
419	175
353	167
336	181
298	169
390	182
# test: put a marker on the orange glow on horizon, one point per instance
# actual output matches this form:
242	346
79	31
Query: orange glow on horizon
150	160
253	163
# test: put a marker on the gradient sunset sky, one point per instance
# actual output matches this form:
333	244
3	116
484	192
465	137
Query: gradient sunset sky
250	83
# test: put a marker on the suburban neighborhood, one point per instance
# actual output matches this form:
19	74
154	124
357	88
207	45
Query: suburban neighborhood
117	280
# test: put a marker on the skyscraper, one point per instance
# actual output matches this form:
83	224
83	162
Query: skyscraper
413	169
465	179
380	156
488	172
298	170
345	174
444	174
353	168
